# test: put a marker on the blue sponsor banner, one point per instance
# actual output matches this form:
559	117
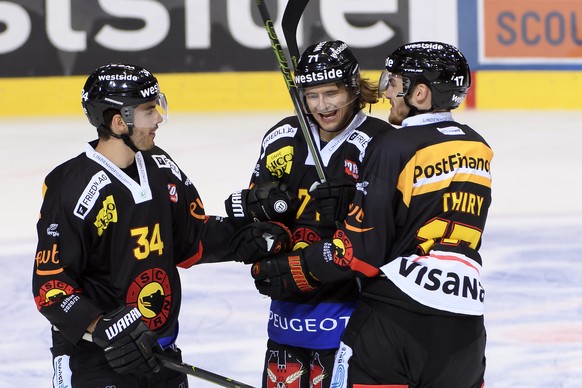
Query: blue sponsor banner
317	326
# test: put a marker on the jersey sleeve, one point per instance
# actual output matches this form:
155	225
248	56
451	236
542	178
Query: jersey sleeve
60	259
199	238
360	245
277	148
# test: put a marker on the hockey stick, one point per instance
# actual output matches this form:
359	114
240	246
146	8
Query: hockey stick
291	87
188	369
291	17
199	373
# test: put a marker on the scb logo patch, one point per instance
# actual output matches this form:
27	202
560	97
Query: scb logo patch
151	292
343	251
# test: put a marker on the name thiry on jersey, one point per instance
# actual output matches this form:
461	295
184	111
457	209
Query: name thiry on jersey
463	202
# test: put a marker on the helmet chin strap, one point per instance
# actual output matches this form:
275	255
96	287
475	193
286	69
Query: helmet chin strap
127	140
126	137
414	110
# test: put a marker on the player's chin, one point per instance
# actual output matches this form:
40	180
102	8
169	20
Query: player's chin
146	146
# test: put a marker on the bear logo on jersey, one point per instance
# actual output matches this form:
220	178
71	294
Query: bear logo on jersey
303	237
151	293
343	251
53	291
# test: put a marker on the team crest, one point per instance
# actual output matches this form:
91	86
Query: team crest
52	291
151	293
303	237
343	251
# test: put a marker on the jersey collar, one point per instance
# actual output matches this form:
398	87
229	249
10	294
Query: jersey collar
427	118
141	192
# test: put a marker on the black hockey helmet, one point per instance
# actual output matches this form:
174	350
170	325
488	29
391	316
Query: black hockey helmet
121	87
441	66
328	62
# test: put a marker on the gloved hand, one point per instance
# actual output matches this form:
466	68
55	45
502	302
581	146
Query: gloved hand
332	200
283	275
128	343
259	240
268	201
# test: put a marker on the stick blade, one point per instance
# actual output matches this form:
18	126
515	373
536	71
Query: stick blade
291	16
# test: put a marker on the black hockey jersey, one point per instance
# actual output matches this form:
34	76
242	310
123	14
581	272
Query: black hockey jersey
314	320
106	239
416	222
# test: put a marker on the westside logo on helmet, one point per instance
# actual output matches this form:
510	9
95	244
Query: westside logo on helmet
118	77
150	91
424	45
330	75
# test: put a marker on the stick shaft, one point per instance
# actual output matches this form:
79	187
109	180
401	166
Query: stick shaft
291	87
200	373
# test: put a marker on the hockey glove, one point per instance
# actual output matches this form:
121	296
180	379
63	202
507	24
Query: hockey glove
128	343
332	200
259	240
283	275
263	202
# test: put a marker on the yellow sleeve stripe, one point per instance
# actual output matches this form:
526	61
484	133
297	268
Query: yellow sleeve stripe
436	166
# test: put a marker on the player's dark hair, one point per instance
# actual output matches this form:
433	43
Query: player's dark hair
108	115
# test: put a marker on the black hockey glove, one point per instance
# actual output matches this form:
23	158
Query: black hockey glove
128	343
332	200
259	240
283	275
263	202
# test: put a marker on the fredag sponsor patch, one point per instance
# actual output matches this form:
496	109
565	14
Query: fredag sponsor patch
91	194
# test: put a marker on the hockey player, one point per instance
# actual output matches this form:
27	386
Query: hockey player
412	237
115	223
304	329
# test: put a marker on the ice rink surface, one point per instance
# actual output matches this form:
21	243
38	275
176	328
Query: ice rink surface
532	247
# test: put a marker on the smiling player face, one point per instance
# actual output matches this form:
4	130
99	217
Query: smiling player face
330	105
